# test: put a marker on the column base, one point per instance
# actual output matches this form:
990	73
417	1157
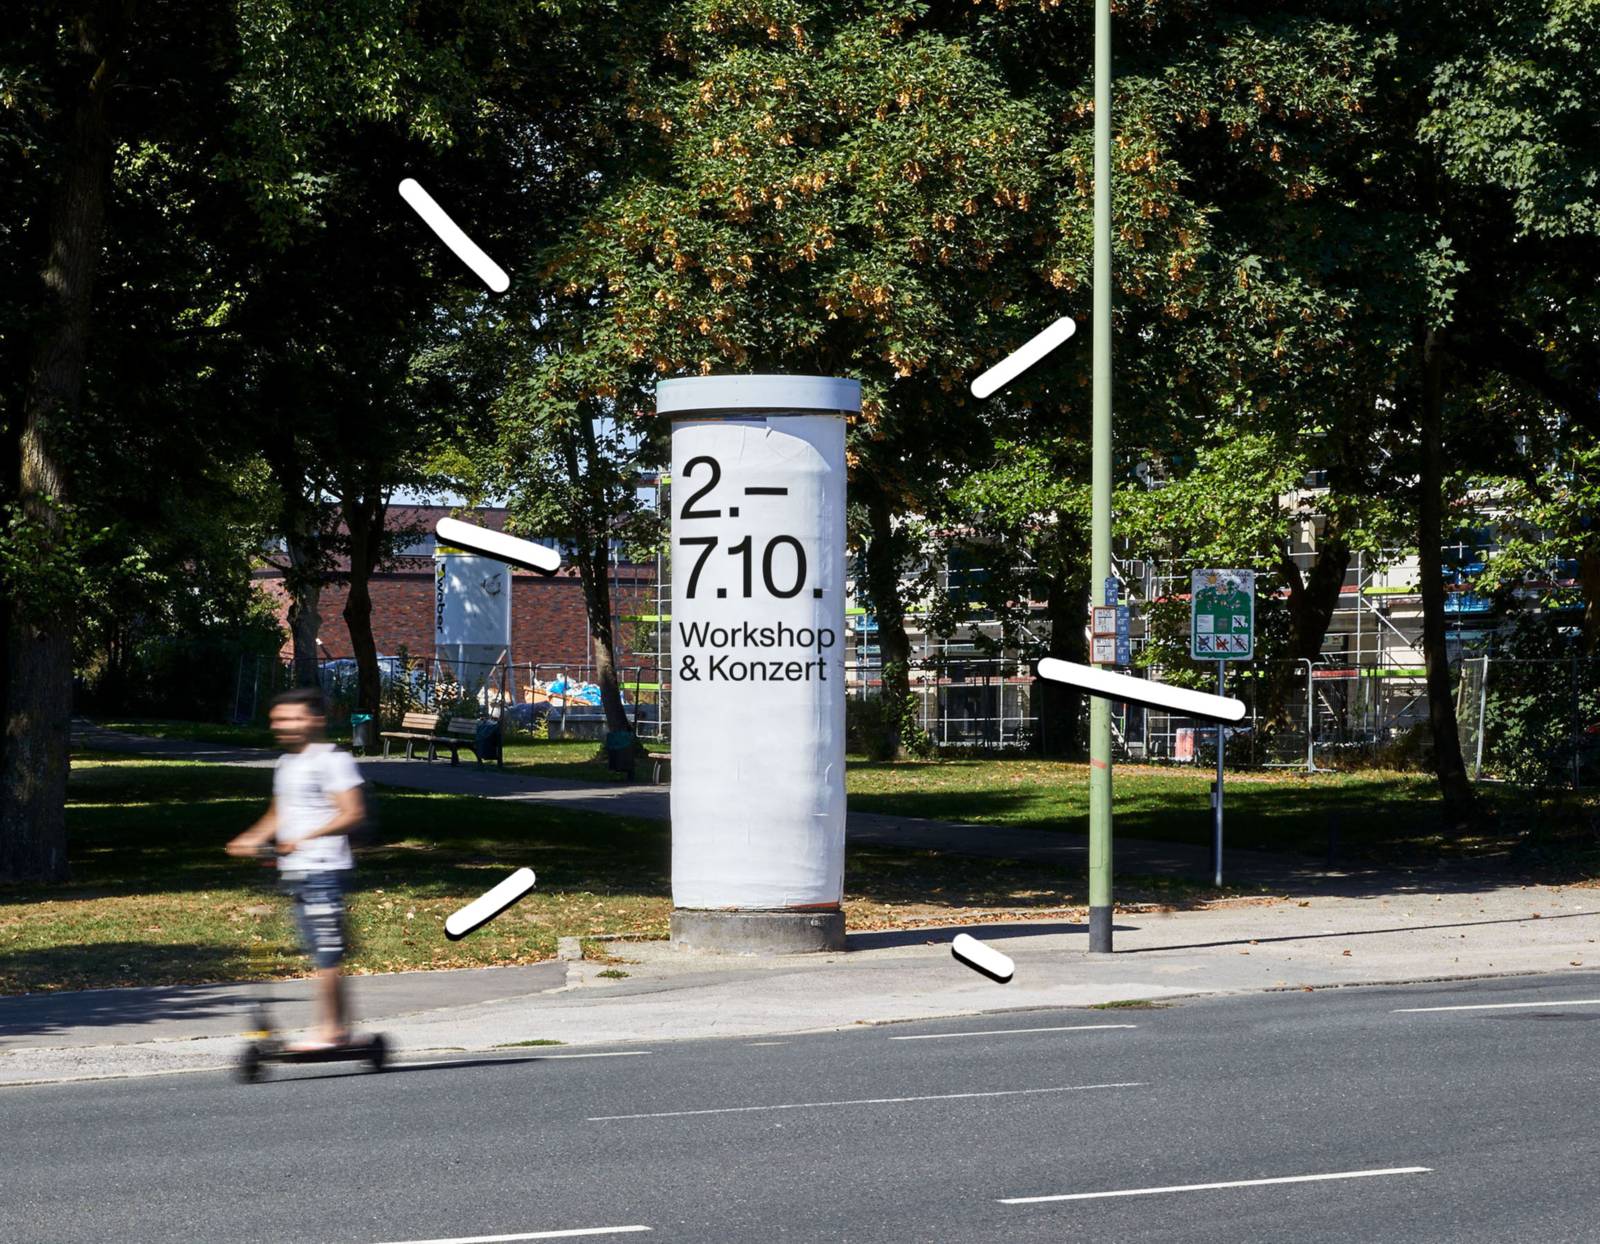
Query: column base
758	932
1100	930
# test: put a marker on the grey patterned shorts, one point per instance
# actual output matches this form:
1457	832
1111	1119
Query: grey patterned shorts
319	913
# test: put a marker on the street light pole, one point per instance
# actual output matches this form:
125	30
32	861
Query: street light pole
1100	486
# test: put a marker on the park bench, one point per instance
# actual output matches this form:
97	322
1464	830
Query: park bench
463	732
659	759
417	728
414	728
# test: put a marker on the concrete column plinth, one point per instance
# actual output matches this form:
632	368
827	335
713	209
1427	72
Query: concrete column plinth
758	932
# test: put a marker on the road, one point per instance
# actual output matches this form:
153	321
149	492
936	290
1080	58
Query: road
935	1131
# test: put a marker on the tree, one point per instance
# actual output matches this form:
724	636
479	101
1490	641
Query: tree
573	471
1025	519
42	534
821	187
350	316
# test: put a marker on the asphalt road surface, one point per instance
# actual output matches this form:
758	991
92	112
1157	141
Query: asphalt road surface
1353	1115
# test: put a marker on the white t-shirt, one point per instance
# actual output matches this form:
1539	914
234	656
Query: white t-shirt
303	786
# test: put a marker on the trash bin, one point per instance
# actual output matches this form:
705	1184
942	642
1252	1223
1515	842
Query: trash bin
363	733
487	741
620	755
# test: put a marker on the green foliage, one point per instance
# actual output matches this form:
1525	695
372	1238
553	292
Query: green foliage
42	556
1513	111
870	721
1551	518
1543	699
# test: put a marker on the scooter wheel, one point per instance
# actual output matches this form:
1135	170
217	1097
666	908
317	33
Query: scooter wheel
248	1069
377	1052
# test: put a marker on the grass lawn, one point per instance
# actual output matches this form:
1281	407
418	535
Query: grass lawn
154	900
1385	815
576	760
195	731
1390	816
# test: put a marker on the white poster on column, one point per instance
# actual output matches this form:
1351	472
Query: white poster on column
758	576
472	613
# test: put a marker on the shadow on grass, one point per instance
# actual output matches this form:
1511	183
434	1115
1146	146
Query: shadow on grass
1392	821
137	829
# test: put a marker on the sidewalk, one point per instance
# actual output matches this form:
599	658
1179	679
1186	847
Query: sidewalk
1319	928
1250	945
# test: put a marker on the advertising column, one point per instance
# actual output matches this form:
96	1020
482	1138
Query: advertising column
758	638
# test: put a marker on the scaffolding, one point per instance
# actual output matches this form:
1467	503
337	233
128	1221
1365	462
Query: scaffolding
1366	687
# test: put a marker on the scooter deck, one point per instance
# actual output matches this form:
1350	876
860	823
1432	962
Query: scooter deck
369	1048
359	1049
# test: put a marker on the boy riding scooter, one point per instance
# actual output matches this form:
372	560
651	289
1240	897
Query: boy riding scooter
316	804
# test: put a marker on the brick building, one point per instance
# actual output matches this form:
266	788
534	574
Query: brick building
549	623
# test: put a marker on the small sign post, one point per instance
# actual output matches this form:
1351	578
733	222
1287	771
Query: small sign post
1222	628
1103	633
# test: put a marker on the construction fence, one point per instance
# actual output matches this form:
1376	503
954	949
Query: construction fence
548	700
1525	721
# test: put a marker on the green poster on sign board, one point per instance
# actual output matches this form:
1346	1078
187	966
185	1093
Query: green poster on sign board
1222	615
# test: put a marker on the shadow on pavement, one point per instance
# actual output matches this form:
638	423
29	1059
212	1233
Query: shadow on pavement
289	1073
1405	928
996	932
41	1014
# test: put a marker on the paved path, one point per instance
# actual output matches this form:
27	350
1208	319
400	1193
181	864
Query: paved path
671	995
91	1017
1061	849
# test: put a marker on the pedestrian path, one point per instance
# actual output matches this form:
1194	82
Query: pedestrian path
85	1017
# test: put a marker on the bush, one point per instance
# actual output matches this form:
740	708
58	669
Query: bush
1543	700
868	724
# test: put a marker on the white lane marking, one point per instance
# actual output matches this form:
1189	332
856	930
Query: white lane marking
1495	1006
983	957
1023	357
467	251
860	1101
529	1235
1232	1183
755	1043
470	1056
1006	1032
488	905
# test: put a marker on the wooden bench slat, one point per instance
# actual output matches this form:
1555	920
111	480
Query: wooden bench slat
437	732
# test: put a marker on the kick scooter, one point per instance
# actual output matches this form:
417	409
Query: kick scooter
266	1047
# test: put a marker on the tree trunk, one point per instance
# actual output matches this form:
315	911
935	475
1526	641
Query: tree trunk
364	519
303	582
594	560
1454	784
883	564
1589	580
1312	600
38	645
1061	706
1314	597
301	522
